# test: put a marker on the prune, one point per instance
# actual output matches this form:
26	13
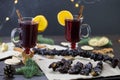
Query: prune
100	65
35	50
85	54
89	65
87	69
93	56
55	65
54	52
64	68
100	57
64	52
41	51
84	71
97	69
88	54
114	62
74	53
47	52
107	58
61	66
75	69
96	57
79	64
77	52
66	62
82	53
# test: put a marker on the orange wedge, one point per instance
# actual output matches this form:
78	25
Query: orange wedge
62	15
42	22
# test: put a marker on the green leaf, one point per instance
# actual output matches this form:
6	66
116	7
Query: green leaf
41	39
30	69
84	41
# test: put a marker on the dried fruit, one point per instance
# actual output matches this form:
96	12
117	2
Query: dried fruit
78	52
75	69
98	41
62	66
97	69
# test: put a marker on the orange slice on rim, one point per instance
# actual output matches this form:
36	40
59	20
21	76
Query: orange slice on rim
62	15
42	22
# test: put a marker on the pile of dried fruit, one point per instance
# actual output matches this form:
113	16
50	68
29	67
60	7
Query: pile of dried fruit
86	54
64	66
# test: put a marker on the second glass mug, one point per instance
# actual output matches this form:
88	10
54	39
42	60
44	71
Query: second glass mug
73	30
28	31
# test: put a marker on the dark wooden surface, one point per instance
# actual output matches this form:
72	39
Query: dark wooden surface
58	39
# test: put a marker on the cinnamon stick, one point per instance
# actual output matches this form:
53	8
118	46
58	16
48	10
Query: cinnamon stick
18	14
80	12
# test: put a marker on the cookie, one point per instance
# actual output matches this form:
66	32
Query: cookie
41	46
12	61
18	49
86	47
105	51
65	43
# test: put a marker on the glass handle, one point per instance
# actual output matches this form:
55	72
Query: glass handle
88	30
13	35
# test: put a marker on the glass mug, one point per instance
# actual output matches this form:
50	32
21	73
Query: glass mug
28	31
73	30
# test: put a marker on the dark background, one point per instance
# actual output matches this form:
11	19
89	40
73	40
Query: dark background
102	15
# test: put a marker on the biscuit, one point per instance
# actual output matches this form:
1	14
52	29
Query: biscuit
18	49
86	47
12	61
105	51
40	46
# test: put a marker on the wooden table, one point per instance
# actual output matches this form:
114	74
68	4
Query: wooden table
58	39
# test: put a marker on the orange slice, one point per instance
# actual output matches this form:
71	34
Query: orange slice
42	22
62	15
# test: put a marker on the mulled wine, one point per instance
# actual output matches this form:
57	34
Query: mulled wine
28	36
73	29
27	33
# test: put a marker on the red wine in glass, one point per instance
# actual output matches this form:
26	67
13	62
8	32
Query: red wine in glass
28	31
28	36
73	29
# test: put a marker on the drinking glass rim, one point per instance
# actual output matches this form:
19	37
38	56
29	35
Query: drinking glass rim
75	17
25	18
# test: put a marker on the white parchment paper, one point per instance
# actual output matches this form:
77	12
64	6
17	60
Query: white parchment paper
51	75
